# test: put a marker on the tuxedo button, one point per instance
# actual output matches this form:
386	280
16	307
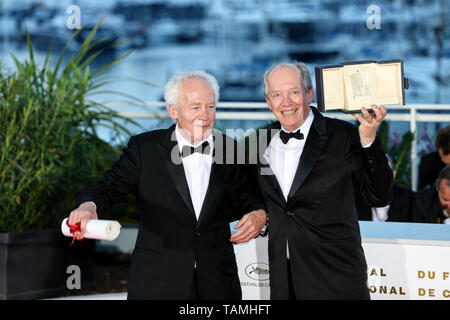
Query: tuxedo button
289	213
197	234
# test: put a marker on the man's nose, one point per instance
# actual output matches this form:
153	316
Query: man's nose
286	100
204	114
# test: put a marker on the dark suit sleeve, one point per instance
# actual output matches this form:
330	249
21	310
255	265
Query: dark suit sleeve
400	209
117	182
420	205
371	173
362	208
425	206
245	191
429	168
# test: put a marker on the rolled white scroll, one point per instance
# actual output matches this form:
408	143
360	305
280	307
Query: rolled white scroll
96	229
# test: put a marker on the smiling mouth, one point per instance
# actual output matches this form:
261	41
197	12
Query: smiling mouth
204	126
201	124
288	113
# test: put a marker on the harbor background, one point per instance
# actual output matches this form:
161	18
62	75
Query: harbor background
236	40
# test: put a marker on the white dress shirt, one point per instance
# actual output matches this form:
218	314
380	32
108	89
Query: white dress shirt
284	158
380	214
197	168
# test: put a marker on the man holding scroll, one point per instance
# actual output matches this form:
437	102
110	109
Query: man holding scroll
307	175
188	191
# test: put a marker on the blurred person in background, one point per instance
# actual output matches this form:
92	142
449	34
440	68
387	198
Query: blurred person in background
433	162
432	204
399	210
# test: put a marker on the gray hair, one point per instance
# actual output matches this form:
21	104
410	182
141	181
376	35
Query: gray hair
305	76
171	90
443	174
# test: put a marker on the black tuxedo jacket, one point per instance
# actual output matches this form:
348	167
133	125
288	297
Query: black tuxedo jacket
426	206
170	239
429	168
319	219
399	209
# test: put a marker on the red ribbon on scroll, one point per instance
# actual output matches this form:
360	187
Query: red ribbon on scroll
74	228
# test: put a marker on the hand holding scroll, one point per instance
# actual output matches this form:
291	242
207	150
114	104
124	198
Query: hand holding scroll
85	212
95	229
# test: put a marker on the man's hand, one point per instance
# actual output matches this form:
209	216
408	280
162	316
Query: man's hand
85	212
250	226
369	123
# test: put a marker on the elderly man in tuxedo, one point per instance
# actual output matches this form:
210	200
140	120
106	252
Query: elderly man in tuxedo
307	172
188	191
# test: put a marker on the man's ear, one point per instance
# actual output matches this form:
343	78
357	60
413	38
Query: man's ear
310	95
173	112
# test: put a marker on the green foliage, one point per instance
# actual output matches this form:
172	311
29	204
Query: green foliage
49	147
398	148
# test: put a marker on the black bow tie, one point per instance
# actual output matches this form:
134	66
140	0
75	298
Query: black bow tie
188	150
285	136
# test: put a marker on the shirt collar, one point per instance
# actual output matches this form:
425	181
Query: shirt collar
183	142
306	125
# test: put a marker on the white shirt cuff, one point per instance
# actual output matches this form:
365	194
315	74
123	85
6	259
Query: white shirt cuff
366	145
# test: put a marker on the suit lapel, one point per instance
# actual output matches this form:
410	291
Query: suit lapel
169	151
216	175
314	146
264	171
269	178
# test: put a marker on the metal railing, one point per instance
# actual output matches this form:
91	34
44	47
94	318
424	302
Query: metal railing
259	111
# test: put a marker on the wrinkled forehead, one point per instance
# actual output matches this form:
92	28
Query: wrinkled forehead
196	89
195	84
283	77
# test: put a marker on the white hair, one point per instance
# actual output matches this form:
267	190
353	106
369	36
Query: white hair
305	77
171	90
